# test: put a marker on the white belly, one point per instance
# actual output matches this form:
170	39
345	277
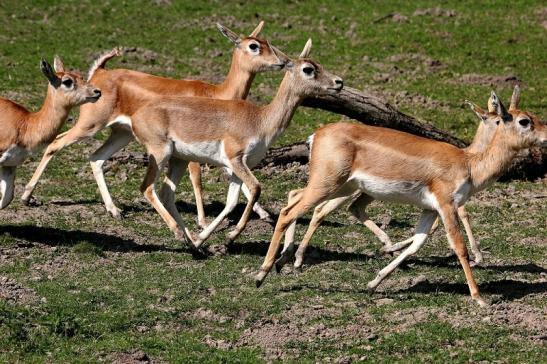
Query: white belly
14	156
121	120
414	193
211	152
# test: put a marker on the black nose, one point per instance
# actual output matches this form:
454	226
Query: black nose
339	81
97	92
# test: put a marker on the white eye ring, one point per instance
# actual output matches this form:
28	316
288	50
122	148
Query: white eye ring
308	71
67	83
254	47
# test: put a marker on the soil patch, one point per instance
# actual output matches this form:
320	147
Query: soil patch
13	293
488	80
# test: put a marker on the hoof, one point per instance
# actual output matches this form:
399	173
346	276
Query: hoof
259	278
267	219
31	201
371	287
481	302
231	236
116	213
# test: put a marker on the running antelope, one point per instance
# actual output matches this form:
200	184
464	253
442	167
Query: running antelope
23	132
180	130
435	176
483	136
126	90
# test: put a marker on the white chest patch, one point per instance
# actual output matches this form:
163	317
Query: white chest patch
256	150
211	152
413	193
462	193
121	120
14	156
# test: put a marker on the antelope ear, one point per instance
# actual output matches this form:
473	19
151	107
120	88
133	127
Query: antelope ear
233	37
515	98
477	110
282	56
257	30
306	51
48	71
495	105
58	64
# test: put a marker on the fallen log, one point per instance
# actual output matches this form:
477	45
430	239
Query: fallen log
371	110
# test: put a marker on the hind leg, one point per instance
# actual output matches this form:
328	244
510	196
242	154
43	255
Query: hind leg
321	211
7	185
119	138
358	209
419	239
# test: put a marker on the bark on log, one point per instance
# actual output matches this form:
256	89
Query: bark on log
371	110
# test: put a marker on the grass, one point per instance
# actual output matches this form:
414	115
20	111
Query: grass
90	288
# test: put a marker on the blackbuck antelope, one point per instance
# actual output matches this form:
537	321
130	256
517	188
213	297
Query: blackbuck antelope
124	91
390	165
23	132
482	139
180	130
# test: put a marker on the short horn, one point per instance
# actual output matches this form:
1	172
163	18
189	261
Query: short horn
257	30
306	51
515	98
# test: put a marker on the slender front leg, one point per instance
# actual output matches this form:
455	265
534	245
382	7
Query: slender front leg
195	177
175	171
119	138
455	238
157	159
422	229
61	141
475	247
246	176
260	211
7	185
288	246
231	202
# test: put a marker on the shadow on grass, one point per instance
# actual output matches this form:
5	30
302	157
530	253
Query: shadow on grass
451	261
56	237
314	255
508	289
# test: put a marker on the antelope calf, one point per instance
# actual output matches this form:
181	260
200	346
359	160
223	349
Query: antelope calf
124	91
180	130
481	140
23	132
435	176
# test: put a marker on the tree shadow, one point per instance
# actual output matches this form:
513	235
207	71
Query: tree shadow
58	237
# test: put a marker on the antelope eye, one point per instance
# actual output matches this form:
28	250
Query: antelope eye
67	82
524	122
308	70
253	47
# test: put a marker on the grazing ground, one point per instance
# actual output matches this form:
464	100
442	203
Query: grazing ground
79	286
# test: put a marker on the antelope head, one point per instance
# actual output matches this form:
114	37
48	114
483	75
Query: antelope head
254	54
70	87
521	129
309	77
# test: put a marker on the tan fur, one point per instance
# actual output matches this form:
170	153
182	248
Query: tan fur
403	165
199	123
124	91
23	131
